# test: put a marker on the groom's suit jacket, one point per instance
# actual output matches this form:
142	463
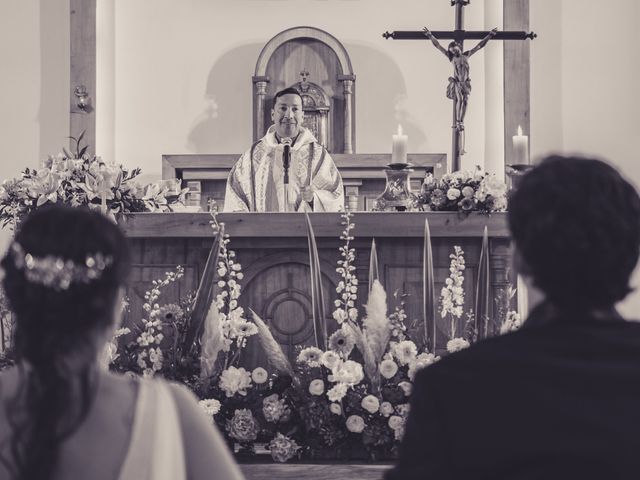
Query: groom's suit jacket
558	399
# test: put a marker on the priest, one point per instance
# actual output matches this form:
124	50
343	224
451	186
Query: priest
287	170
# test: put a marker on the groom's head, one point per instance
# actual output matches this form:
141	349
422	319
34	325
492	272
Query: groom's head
575	223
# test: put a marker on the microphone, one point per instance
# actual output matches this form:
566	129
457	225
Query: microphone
286	158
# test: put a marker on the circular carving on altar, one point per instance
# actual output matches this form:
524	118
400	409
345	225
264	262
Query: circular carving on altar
288	314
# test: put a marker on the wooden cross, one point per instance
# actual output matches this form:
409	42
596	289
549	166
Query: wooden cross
459	85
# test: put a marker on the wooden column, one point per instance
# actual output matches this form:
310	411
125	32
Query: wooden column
347	82
516	76
260	94
83	70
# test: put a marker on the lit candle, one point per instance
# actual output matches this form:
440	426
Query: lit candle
520	148
399	151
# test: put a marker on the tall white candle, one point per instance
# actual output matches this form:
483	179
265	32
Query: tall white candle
520	148
399	151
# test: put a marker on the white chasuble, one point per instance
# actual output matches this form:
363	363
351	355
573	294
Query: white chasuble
256	181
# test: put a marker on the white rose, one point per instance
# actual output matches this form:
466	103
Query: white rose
259	375
370	403
386	409
316	387
388	368
395	422
355	424
453	193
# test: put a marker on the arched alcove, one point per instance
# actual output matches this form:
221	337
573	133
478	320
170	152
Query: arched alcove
318	65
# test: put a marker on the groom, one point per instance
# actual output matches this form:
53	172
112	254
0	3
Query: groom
560	398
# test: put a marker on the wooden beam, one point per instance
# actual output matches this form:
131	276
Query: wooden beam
83	70
516	76
290	225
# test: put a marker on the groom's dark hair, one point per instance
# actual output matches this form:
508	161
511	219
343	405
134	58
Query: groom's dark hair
576	224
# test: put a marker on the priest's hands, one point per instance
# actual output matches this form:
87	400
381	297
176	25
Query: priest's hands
307	193
427	32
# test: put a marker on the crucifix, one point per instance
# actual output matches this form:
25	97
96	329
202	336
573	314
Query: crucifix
459	86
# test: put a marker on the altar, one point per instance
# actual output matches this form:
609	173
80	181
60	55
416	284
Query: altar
274	254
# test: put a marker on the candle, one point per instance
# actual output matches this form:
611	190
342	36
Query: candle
520	148
399	151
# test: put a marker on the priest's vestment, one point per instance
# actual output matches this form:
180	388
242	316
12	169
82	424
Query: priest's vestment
256	181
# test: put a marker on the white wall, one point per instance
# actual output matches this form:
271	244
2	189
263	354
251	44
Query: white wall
34	53
585	74
175	71
183	73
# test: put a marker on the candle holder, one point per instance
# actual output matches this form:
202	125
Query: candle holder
515	173
397	195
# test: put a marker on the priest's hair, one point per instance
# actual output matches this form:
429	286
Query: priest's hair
286	91
57	332
576	224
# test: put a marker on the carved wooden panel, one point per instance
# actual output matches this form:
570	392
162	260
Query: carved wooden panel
275	257
279	290
152	258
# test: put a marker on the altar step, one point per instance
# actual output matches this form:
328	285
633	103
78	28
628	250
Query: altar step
315	471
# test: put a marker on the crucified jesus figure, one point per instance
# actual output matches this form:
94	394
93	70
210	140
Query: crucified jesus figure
459	86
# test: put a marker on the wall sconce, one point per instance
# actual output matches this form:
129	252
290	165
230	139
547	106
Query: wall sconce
83	98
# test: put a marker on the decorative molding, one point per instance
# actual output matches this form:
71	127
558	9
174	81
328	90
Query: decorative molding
302	32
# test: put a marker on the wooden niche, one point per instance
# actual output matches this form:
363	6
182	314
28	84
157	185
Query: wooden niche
318	66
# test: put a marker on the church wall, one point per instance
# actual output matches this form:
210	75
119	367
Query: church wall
584	86
183	73
183	81
34	53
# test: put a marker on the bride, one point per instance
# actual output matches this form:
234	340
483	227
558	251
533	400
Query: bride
61	415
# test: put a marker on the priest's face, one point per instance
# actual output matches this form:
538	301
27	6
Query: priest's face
287	115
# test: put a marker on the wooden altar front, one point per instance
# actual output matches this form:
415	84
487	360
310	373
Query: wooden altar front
272	249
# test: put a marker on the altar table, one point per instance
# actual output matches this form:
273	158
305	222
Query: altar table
273	251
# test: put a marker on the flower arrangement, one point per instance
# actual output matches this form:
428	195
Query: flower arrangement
464	191
349	397
353	396
79	179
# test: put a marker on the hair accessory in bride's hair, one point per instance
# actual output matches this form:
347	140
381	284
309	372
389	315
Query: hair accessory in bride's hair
56	272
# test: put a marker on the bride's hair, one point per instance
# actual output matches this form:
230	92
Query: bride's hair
62	276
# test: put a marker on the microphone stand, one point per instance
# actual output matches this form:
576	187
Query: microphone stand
286	161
